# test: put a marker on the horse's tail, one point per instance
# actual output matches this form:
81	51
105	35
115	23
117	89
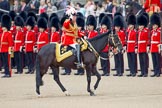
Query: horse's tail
39	81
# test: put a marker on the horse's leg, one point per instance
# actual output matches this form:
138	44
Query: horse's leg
55	71
88	73
98	77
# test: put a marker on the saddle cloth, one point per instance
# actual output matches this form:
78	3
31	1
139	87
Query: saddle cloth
63	52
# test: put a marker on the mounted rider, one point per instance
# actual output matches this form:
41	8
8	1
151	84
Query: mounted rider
70	30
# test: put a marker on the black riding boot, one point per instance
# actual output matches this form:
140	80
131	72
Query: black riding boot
79	65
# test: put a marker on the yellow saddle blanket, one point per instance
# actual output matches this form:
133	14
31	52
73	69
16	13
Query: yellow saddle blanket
63	52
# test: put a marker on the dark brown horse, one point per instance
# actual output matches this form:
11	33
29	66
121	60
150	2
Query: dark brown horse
46	58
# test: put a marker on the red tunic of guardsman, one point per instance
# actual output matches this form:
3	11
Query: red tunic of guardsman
6	42
70	32
131	42
142	41
152	6
107	47
19	40
122	37
91	25
55	34
155	40
30	41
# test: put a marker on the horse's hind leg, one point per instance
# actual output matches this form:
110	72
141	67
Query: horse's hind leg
98	77
88	73
55	71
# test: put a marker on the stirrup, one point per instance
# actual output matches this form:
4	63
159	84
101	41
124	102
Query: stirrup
79	65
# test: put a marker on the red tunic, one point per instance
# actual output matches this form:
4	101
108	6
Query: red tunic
29	41
148	3
131	41
107	47
55	37
1	30
92	34
70	33
122	37
142	41
6	41
151	5
155	40
19	40
42	40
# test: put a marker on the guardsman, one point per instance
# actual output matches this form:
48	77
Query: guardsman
13	14
91	26
42	35
131	44
70	31
119	25
142	44
105	64
81	31
155	44
6	43
30	40
55	34
45	15
18	43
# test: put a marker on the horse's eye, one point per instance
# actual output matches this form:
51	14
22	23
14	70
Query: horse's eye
127	6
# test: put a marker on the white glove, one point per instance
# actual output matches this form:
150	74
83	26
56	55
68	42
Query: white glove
35	50
136	50
20	49
148	49
85	37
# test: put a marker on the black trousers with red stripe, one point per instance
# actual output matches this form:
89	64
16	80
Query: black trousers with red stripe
5	61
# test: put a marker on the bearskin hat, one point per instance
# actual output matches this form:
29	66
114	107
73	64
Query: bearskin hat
91	20
54	22
79	14
100	17
142	20
44	15
12	14
63	20
23	14
19	21
155	19
147	16
117	13
106	21
31	13
6	21
30	21
42	23
1	14
80	22
53	15
131	19
119	21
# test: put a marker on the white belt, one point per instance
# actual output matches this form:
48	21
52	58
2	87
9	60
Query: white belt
141	41
52	42
42	42
28	41
17	41
154	42
130	41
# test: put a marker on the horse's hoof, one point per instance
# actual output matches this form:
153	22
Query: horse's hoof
92	94
67	93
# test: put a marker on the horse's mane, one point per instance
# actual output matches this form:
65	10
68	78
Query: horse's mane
134	4
98	36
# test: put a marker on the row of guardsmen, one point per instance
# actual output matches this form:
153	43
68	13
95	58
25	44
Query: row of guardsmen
25	34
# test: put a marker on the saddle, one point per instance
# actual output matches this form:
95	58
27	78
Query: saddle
63	52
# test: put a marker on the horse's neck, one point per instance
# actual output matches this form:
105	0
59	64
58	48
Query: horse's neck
100	44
